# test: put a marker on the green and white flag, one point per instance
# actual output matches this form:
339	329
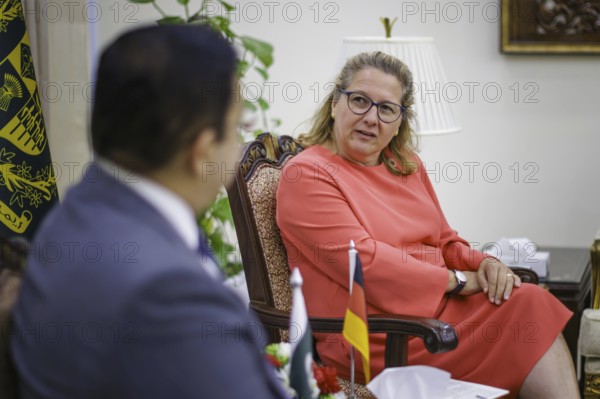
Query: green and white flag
301	361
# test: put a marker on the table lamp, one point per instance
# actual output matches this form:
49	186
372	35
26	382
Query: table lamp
434	111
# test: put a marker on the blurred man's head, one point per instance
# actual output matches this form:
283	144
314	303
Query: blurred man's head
167	106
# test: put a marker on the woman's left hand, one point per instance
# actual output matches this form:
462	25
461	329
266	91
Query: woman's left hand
497	280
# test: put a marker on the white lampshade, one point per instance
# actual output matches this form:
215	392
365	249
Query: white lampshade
434	112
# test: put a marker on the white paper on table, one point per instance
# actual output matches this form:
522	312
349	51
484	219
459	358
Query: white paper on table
469	390
411	382
424	382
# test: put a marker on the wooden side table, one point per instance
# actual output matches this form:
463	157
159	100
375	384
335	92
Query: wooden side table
569	280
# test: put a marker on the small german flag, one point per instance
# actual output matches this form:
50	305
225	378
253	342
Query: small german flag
356	329
27	181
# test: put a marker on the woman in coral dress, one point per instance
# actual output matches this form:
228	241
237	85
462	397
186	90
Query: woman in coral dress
360	179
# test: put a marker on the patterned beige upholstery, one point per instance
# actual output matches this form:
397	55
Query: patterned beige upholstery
262	187
361	390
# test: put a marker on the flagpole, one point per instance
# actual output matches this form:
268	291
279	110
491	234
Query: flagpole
352	389
352	265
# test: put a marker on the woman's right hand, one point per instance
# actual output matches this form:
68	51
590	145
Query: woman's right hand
471	287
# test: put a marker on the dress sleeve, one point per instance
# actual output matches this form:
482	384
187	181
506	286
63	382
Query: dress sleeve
317	223
456	251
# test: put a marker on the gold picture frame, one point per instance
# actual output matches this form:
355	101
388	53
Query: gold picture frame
550	27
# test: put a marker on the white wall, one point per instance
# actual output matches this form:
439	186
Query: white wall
555	138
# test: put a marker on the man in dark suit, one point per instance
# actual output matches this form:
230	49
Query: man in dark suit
119	299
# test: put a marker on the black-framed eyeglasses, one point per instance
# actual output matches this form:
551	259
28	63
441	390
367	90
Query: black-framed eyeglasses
360	104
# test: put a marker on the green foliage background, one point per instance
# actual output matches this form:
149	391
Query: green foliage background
257	55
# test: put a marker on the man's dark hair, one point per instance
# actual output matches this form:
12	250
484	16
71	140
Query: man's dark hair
156	89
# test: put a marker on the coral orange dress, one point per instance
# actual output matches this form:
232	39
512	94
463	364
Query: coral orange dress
405	245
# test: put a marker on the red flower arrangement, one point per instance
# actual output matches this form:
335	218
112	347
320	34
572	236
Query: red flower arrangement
324	378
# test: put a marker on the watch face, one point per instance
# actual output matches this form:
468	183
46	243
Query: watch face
460	276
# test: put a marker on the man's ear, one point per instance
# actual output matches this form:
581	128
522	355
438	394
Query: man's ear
202	150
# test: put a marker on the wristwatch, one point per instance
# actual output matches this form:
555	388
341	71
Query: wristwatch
461	281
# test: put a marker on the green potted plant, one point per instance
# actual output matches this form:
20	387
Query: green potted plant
256	58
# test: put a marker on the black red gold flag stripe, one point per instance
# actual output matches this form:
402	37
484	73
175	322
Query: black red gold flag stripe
356	329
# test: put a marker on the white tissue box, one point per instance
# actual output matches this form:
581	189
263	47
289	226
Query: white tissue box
520	252
538	262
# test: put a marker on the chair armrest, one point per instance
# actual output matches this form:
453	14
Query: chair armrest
526	275
437	335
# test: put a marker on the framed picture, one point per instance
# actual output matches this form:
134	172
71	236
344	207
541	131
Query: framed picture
550	27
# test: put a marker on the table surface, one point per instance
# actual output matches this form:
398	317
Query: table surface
566	264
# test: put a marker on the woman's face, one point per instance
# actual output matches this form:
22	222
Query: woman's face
361	138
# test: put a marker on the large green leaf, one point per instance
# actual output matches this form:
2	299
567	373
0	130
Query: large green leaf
250	105
263	72
206	223
198	19
195	16
228	7
264	105
216	241
231	268
242	68
262	50
218	217
171	20
221	24
221	210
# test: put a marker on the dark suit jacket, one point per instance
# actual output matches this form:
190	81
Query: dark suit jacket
115	305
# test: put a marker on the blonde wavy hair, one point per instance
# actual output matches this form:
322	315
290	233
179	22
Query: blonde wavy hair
404	143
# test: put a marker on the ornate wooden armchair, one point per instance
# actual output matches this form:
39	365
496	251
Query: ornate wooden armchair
252	199
12	262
